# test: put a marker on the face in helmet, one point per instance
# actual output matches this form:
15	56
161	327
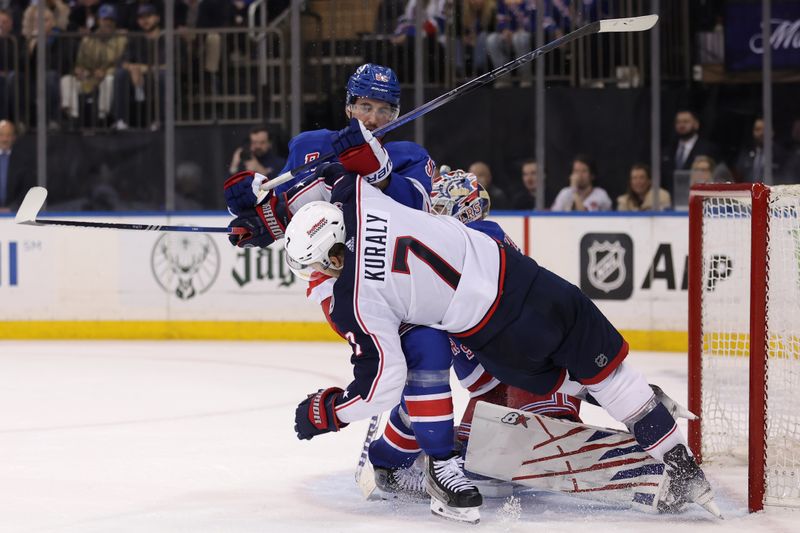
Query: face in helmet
373	96
458	194
313	231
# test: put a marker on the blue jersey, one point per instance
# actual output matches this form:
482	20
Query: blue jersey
410	160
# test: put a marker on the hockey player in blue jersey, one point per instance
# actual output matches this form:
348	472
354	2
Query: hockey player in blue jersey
373	98
528	327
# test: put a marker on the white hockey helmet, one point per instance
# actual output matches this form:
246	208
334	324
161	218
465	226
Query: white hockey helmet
311	233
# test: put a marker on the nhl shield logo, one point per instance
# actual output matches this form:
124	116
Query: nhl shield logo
607	266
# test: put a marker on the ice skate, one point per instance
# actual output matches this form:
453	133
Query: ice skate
406	483
687	483
453	496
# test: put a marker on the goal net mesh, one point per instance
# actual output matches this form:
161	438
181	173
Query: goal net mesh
726	343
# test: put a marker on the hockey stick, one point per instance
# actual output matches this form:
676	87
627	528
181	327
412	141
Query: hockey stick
365	476
621	25
28	213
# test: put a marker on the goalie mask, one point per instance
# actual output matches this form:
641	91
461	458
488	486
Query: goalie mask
458	194
310	235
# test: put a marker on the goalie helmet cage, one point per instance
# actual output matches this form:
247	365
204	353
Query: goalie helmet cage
744	333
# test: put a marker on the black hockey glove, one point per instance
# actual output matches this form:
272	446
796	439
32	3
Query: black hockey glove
261	225
315	415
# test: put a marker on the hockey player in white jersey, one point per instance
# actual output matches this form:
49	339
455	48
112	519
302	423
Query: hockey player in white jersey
527	326
458	194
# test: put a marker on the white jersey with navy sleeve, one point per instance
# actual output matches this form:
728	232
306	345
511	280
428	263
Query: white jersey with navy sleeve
375	294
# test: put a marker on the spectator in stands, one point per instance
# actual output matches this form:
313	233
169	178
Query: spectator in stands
99	54
498	197
129	12
702	170
30	17
478	18
641	195
142	71
188	186
434	25
516	22
58	52
791	170
687	145
257	155
750	161
207	46
83	16
9	60
15	173
581	194
6	23
435	38
526	198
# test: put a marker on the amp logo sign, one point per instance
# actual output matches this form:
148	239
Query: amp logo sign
607	266
8	264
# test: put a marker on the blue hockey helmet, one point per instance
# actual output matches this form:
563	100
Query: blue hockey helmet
376	82
458	194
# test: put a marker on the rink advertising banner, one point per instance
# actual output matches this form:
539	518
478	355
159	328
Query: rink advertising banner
57	283
744	43
137	284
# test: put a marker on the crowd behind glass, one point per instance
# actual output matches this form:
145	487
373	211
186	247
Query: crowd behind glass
105	71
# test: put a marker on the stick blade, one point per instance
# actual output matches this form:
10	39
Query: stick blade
31	205
642	23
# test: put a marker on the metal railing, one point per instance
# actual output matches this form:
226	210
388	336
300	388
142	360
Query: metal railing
239	76
341	34
223	76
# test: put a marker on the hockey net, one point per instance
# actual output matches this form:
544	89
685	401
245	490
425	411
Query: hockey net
744	333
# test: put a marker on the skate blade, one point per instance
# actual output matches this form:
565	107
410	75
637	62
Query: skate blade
470	515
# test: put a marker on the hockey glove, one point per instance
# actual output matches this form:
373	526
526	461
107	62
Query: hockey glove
259	226
361	153
241	191
315	415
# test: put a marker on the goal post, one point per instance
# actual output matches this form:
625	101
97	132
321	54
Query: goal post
744	333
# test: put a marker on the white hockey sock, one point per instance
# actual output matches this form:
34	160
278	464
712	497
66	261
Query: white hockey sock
628	398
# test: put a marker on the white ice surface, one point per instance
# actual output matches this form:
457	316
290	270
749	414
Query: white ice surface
197	437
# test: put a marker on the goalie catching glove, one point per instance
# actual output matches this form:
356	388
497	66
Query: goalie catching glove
316	415
360	152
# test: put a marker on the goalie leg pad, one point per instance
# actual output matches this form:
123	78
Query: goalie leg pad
559	456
